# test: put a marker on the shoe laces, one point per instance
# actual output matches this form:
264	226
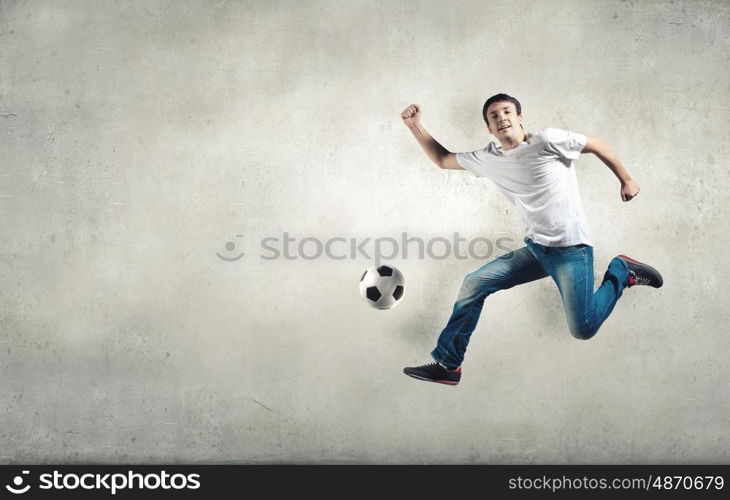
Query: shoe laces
435	366
635	279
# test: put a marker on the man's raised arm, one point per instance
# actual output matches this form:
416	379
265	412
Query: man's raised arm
629	187
439	155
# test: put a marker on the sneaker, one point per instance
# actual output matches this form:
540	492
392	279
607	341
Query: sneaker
434	372
642	274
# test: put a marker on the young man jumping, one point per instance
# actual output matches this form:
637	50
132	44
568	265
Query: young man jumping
535	172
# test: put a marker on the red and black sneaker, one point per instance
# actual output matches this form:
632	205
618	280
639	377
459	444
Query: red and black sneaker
434	372
642	274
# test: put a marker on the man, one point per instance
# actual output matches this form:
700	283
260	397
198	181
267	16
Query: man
535	172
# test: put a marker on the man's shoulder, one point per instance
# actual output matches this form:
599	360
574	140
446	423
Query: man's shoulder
491	149
547	134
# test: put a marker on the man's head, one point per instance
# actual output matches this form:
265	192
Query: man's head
503	114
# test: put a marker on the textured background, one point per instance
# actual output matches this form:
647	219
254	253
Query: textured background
139	139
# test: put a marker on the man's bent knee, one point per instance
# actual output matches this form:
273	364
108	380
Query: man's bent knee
584	331
475	285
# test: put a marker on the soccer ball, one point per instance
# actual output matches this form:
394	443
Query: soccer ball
382	287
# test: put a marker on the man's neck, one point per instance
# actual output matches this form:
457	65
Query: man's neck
511	143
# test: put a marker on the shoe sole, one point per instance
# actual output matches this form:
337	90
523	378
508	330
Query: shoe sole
444	382
661	280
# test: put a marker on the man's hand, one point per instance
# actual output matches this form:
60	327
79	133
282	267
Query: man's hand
411	115
438	154
629	190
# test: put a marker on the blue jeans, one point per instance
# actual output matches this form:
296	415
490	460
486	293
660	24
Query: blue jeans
570	267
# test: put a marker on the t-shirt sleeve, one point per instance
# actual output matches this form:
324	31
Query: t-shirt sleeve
472	161
565	144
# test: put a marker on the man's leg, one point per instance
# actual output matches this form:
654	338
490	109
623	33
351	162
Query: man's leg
501	273
586	309
572	270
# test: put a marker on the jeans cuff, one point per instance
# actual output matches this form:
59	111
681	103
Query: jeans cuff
448	366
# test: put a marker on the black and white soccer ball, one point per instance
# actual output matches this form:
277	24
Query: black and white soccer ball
382	287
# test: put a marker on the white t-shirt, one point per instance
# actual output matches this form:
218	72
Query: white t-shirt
539	178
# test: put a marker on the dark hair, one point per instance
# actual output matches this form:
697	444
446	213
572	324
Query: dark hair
500	98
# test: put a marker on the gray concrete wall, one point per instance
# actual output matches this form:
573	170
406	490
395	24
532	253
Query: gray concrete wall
141	141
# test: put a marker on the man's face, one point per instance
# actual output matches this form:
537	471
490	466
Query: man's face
503	121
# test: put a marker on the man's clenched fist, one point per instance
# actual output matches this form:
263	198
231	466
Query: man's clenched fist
411	115
629	190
